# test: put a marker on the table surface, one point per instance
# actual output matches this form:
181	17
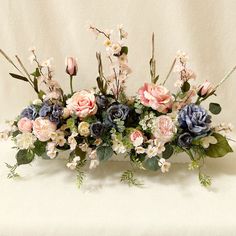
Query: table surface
45	200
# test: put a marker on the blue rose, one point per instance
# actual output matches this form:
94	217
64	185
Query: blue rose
30	112
185	140
97	129
117	111
194	119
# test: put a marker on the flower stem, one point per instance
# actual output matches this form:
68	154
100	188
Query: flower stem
71	85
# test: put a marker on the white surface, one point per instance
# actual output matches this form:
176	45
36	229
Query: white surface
45	201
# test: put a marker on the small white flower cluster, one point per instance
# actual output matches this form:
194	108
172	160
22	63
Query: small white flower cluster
165	166
25	140
58	138
51	150
72	165
117	145
72	141
94	162
147	121
223	127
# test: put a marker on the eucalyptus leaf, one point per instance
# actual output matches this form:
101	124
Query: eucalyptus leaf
151	164
19	77
169	150
24	156
104	152
185	87
214	108
124	50
39	148
220	149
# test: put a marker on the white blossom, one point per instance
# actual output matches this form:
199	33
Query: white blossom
25	140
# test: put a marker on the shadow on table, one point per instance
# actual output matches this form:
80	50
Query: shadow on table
108	174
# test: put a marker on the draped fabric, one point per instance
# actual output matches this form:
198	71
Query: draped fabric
45	200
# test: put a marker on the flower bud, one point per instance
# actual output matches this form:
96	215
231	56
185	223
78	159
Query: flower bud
71	66
205	89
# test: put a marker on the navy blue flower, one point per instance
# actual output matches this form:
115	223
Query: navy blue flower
195	119
97	129
117	111
185	140
30	112
101	101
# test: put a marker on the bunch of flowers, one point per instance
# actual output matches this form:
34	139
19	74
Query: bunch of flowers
93	125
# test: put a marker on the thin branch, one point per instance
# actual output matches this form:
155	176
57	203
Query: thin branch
10	61
171	68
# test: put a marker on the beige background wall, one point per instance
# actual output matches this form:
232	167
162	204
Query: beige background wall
205	29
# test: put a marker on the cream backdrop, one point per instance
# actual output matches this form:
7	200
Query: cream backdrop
45	201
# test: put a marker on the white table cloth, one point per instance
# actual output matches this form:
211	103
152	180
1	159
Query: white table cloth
46	202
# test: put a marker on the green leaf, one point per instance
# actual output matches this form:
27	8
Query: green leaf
124	50
155	79
77	152
41	94
104	152
151	164
39	148
24	156
102	85
36	73
18	77
214	108
220	149
168	151
186	86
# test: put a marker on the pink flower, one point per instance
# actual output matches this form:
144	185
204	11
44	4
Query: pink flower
25	125
136	137
156	96
82	103
205	88
164	128
42	128
71	66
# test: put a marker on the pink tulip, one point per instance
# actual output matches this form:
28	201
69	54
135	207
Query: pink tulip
71	66
205	89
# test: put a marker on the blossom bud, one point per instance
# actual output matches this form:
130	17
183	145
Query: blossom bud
71	66
205	89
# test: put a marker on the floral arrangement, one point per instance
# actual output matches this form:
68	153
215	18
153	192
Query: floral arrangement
93	125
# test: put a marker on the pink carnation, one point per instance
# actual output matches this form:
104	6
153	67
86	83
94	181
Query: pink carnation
156	96
42	128
25	125
136	137
82	103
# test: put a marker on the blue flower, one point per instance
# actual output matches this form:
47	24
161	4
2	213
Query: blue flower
45	110
117	111
195	119
53	112
56	113
97	129
30	112
185	140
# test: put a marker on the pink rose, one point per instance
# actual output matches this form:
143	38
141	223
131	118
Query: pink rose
25	125
71	66
156	96
42	128
136	137
82	103
205	88
164	128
